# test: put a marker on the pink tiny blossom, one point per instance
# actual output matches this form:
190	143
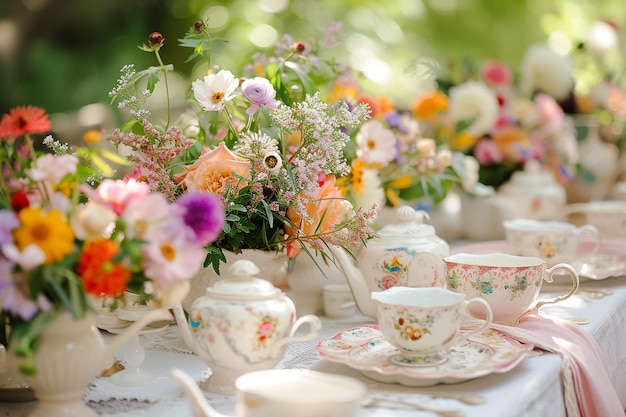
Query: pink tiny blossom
259	92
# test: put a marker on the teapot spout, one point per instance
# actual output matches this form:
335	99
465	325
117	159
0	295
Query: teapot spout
199	405
122	338
356	280
183	325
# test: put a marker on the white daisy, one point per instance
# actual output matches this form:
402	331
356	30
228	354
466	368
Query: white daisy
474	100
375	143
215	90
372	191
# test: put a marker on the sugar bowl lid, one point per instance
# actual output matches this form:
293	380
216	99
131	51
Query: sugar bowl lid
409	223
241	283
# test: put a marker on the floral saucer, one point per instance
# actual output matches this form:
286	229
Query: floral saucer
365	349
609	261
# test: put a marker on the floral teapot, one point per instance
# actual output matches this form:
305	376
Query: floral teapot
406	253
531	193
241	324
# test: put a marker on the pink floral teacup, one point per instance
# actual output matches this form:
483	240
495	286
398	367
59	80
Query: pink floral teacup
552	241
509	283
424	323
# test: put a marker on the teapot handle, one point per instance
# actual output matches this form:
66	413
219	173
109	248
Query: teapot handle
315	325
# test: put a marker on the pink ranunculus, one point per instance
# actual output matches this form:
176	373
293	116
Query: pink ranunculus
550	114
496	73
213	171
52	168
259	92
487	152
117	194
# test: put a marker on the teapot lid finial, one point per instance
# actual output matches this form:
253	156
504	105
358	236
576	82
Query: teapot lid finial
241	283
243	269
410	223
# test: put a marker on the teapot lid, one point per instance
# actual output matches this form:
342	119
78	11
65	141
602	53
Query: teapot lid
242	283
532	174
410	223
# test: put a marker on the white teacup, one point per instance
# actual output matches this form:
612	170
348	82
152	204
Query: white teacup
554	242
509	283
338	301
285	392
609	216
424	323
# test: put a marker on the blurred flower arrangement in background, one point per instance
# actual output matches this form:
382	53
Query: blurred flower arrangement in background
482	111
267	145
392	162
69	234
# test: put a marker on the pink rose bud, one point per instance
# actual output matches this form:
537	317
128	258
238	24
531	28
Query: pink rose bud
259	92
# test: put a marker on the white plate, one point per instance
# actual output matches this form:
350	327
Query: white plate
151	328
609	261
365	349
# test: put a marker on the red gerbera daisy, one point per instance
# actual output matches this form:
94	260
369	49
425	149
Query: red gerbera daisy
24	120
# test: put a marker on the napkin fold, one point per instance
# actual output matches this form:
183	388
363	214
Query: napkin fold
587	387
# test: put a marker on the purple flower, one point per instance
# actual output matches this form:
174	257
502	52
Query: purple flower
259	92
8	222
204	215
13	299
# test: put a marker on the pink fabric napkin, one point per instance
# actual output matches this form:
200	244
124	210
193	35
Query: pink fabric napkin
587	387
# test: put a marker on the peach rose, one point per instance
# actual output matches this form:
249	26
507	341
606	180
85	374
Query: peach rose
326	208
213	171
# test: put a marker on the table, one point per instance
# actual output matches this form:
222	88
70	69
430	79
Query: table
531	389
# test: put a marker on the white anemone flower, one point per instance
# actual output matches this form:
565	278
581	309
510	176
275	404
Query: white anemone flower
375	143
474	100
273	162
215	90
544	70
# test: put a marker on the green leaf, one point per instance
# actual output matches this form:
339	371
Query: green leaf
58	290
308	85
106	170
153	79
114	157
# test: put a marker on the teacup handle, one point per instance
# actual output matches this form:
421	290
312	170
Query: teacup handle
548	278
480	329
315	324
590	230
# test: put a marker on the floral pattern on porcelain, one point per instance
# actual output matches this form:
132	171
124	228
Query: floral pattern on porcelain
485	280
394	272
489	352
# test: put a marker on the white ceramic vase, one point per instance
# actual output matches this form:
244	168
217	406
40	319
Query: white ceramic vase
306	282
273	266
73	352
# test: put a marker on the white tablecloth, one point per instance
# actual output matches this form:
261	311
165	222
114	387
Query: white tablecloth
531	389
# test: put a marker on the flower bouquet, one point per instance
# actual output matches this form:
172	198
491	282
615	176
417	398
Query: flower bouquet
267	146
69	235
503	125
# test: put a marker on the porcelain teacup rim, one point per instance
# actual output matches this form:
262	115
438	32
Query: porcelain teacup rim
419	297
529	225
495	259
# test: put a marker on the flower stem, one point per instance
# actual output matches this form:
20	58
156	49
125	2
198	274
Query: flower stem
167	89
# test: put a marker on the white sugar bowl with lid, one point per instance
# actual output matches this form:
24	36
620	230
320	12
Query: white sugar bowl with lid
407	253
533	193
241	324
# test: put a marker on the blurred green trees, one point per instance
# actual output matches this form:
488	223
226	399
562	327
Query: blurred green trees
64	54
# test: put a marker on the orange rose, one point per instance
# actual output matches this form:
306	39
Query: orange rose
326	209
213	171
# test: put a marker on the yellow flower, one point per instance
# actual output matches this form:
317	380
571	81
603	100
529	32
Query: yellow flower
402	182
392	196
463	140
92	136
49	231
429	105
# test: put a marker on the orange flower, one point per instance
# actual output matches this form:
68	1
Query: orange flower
429	105
213	171
24	120
373	103
511	140
100	275
325	209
